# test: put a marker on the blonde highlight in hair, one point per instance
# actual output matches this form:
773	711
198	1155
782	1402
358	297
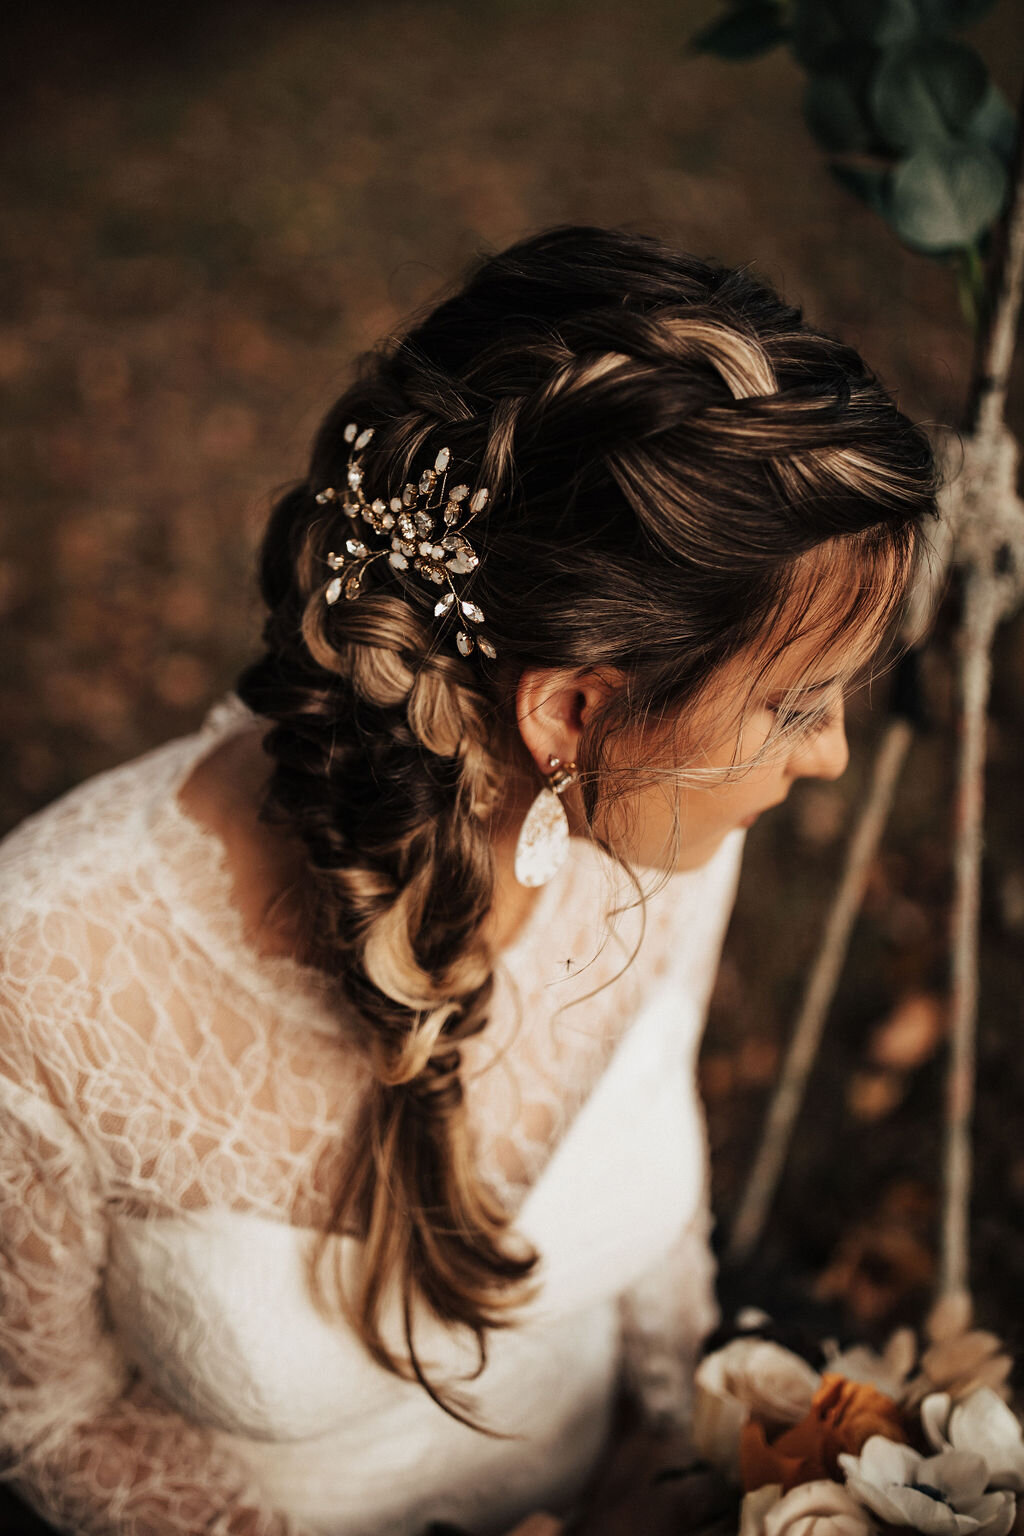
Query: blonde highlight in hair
677	461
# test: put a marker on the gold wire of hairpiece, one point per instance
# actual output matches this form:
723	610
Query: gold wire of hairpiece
436	550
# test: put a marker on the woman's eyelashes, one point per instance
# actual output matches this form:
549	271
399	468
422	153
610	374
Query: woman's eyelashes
803	720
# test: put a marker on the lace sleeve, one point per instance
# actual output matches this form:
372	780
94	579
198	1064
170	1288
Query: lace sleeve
83	1441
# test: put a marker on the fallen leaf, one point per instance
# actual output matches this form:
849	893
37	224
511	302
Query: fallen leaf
910	1034
873	1095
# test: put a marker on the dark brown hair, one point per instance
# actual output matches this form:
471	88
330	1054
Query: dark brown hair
676	462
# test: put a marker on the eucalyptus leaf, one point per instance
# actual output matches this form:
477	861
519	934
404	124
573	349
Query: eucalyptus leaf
945	195
822	29
941	15
885	23
994	123
835	103
744	33
819	33
872	186
925	91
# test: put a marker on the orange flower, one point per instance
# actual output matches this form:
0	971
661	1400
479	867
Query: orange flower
844	1414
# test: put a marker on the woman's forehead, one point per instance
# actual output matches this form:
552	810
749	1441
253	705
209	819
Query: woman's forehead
808	662
805	653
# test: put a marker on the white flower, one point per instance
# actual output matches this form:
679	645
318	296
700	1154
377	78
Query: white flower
755	1506
983	1425
747	1376
820	1508
938	1495
959	1358
767	1379
887	1371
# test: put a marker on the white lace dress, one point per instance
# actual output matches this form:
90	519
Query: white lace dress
172	1106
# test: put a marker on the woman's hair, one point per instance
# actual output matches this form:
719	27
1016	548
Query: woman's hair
679	468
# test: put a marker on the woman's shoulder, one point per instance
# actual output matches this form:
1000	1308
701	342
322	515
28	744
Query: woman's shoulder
82	900
63	852
74	877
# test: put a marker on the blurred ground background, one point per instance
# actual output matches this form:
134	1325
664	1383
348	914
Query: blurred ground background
208	210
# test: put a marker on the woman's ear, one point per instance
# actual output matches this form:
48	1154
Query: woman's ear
553	705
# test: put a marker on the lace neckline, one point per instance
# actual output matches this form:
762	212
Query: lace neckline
199	889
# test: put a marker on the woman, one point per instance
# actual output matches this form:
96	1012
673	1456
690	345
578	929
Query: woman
352	1156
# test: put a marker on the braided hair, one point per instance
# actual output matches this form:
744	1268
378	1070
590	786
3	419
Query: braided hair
671	450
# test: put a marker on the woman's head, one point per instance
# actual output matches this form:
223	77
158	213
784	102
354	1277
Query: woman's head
699	507
718	766
683	477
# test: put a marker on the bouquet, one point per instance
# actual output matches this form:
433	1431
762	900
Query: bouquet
917	1437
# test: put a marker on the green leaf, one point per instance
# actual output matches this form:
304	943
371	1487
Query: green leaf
835	103
824	29
994	122
873	187
946	194
942	15
743	34
925	91
885	23
819	34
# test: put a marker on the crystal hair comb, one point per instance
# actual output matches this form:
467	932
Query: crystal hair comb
424	530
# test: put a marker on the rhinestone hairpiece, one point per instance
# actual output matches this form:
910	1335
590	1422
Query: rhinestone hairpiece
424	529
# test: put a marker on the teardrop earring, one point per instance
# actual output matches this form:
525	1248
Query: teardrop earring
543	841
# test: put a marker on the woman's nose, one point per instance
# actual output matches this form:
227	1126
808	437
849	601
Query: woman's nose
826	754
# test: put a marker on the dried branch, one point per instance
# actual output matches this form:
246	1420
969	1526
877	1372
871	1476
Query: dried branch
821	988
983	523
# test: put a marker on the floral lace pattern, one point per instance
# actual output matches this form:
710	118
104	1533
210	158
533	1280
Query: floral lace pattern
152	1063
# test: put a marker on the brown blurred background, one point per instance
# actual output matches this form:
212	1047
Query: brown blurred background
208	209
